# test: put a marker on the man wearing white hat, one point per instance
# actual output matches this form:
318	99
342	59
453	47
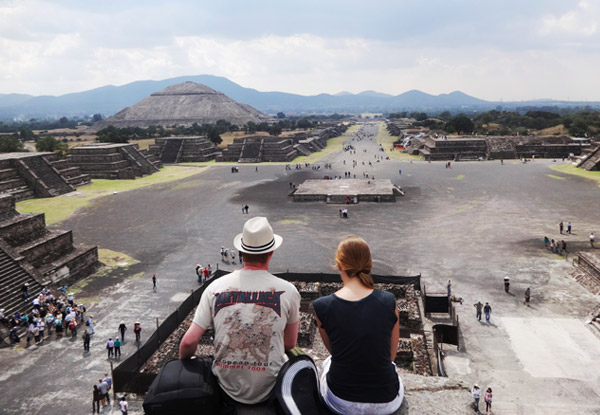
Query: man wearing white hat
255	316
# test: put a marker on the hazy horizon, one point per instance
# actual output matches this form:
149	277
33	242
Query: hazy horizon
509	51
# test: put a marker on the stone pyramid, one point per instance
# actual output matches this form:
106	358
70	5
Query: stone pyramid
183	104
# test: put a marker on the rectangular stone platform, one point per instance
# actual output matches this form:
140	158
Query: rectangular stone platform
337	191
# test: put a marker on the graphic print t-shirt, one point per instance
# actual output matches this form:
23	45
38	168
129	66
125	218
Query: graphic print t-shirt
248	311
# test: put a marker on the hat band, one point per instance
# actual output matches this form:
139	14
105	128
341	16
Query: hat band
258	248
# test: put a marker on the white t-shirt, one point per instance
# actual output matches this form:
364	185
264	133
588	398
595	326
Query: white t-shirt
249	311
123	405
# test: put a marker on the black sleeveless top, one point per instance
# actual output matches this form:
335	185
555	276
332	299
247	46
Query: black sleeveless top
360	333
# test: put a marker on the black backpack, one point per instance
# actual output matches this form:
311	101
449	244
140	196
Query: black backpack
184	387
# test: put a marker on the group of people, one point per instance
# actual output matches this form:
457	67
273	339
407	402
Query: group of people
555	246
486	309
255	319
101	396
227	255
48	313
487	398
203	273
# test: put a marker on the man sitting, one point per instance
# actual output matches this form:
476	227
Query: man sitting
255	316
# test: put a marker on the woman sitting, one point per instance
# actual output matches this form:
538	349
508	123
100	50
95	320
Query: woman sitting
360	328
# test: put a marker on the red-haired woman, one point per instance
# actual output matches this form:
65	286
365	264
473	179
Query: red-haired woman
359	326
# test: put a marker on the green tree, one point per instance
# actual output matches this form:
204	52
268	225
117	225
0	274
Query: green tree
304	123
459	123
11	144
51	144
280	115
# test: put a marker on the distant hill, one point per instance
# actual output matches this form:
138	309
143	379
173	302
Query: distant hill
109	100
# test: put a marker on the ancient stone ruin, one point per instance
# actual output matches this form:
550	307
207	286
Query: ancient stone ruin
590	158
412	354
183	104
33	254
183	149
255	149
432	147
28	175
113	161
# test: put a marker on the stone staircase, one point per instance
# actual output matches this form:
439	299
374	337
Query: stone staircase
12	277
48	254
111	161
46	179
171	150
590	160
72	174
193	149
251	151
587	272
138	160
11	183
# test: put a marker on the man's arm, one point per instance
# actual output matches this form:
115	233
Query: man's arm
189	342
290	336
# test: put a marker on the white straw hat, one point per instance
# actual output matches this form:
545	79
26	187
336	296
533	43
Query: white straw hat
257	237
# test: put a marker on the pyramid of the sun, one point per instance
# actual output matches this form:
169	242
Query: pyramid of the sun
183	104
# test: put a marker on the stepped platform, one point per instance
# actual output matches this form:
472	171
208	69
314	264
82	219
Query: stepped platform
31	253
508	147
259	148
337	191
183	149
590	159
28	175
111	161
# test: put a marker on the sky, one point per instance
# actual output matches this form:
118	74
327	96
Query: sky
495	50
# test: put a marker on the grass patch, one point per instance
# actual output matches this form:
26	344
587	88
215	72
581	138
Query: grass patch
136	276
556	177
61	207
386	140
570	169
113	259
460	177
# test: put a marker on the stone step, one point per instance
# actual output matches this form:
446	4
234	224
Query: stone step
47	248
23	228
8	173
13	183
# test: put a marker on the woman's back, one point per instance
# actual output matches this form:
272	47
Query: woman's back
360	333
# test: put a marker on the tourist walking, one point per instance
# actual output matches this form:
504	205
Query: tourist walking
96	397
449	287
488	401
246	207
137	329
546	242
110	345
487	310
154	282
478	308
527	296
117	348
561	227
122	329
506	283
569	227
86	341
123	405
592	238
103	388
476	392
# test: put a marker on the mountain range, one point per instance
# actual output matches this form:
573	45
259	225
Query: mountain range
110	99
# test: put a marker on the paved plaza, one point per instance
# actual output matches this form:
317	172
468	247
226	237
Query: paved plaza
473	223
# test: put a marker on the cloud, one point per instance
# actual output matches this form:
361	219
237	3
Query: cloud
581	22
510	50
